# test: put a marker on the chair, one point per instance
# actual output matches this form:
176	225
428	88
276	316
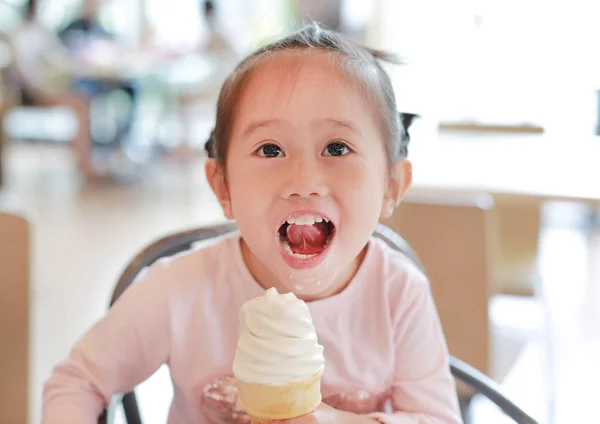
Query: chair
15	303
455	234
182	241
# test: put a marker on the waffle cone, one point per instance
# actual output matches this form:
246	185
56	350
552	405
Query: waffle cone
254	420
265	403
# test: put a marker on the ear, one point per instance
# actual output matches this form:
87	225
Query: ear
400	181
215	174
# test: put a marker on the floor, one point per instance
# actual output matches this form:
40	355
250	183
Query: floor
86	233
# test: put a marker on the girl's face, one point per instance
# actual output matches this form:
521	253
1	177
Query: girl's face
307	175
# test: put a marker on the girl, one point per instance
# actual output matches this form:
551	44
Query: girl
308	154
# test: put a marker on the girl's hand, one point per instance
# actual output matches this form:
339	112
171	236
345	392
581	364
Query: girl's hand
325	414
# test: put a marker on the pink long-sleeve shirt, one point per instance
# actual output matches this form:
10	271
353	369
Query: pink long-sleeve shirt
385	354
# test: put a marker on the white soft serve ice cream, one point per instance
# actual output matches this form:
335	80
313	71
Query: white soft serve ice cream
277	343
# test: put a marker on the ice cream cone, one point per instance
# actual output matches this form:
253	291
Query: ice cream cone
278	362
266	403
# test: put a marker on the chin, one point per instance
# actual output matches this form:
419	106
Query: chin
318	279
305	283
309	284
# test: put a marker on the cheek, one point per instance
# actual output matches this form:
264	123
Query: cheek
251	190
360	178
255	174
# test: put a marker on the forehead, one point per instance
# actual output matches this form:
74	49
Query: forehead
301	84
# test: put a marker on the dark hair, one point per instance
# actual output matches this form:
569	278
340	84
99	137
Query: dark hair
30	9
208	8
360	64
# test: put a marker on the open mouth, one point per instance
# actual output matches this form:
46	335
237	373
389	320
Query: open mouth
306	236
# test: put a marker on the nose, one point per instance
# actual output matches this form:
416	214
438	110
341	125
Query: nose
305	178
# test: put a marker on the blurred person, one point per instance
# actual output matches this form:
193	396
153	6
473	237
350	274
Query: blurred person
217	44
43	73
87	39
197	76
86	25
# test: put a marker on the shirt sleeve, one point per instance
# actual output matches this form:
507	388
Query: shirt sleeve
424	391
124	348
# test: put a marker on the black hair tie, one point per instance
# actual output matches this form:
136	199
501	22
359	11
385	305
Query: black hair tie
406	120
209	146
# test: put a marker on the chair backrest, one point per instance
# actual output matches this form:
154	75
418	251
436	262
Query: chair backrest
167	246
14	317
182	241
454	237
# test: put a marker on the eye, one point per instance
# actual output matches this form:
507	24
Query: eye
336	149
270	151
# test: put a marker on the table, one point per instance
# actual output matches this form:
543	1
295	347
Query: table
522	167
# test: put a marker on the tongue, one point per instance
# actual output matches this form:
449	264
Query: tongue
307	239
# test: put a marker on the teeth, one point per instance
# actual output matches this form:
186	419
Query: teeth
306	220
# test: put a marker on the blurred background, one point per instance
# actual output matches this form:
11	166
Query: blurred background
105	106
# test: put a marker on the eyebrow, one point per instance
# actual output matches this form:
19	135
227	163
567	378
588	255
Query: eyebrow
337	123
343	124
253	126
